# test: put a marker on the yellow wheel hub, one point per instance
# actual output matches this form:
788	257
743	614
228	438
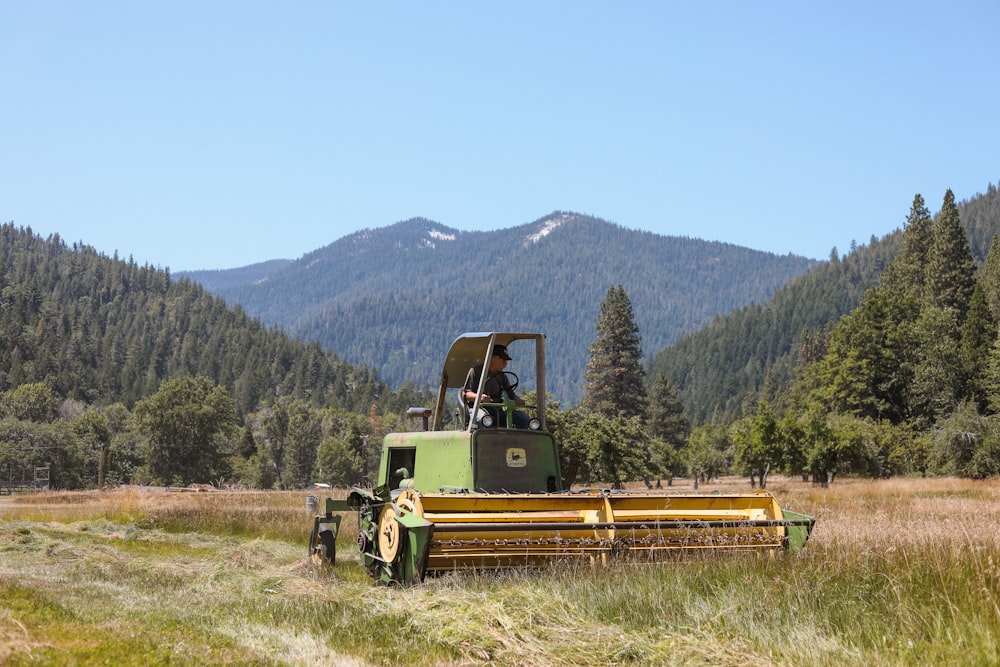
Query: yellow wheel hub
388	534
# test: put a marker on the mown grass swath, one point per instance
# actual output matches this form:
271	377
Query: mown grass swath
898	572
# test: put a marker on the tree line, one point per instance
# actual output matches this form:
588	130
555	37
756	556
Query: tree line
86	341
752	353
190	430
908	382
187	432
101	330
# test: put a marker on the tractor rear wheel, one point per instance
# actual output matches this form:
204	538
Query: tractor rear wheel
327	548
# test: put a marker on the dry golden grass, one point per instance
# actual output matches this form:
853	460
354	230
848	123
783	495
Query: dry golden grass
277	514
907	513
897	572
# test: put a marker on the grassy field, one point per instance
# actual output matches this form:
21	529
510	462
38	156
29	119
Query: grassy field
897	572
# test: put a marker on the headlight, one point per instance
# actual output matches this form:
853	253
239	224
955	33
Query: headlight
486	420
534	424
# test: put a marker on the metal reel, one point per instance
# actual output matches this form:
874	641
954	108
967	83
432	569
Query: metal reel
389	534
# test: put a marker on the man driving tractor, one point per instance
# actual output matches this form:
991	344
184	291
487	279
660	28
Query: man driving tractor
496	385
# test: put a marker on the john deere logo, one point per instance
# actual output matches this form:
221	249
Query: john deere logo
516	457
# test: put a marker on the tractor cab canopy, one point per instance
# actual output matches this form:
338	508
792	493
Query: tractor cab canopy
472	350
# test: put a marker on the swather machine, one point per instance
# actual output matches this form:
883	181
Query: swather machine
487	495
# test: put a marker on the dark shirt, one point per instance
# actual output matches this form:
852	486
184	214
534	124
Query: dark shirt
495	384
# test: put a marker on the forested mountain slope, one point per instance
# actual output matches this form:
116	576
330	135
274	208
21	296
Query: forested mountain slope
394	298
103	330
226	278
752	352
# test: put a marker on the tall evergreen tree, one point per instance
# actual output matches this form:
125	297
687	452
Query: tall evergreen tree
978	333
951	271
665	415
992	380
937	376
305	435
615	376
906	271
989	279
869	368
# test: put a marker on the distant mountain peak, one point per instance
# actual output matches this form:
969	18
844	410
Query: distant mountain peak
420	234
411	234
546	226
435	234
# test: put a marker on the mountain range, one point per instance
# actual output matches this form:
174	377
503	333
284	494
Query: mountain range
394	298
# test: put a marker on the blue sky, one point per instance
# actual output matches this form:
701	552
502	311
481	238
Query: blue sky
196	135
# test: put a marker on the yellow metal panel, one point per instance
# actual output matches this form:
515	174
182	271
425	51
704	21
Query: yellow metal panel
495	530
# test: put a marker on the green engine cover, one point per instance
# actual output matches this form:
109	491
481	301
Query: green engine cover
495	460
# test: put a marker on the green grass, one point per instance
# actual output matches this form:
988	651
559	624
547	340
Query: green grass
896	573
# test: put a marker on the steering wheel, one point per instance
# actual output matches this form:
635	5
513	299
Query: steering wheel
511	379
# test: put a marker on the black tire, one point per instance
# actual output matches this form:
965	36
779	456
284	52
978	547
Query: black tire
327	549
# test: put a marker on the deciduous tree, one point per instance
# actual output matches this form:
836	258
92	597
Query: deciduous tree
188	426
33	402
705	452
337	462
758	444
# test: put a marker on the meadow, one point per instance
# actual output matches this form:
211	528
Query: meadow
897	572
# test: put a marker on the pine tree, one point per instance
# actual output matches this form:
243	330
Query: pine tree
614	377
937	376
989	279
665	415
868	370
978	333
305	436
992	380
951	271
906	271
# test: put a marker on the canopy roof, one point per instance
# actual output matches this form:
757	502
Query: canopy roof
472	349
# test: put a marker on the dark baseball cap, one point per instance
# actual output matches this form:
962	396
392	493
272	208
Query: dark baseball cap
501	351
